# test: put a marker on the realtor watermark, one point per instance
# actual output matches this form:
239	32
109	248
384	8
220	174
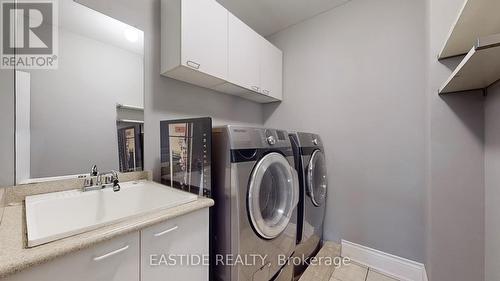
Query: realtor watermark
244	260
29	34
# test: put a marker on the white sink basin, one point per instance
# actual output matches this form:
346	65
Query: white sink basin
58	215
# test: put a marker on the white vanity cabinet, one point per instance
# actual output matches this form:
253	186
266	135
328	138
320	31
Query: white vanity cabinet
194	41
114	260
176	249
128	257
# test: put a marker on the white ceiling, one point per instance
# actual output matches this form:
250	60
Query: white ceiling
270	16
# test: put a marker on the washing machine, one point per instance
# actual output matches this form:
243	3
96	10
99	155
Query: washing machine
256	191
311	167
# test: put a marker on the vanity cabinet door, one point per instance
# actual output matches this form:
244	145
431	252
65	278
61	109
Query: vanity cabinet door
176	250
115	260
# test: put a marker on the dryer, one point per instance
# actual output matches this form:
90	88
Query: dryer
256	192
311	167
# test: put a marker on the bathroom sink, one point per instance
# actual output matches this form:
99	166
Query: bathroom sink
58	215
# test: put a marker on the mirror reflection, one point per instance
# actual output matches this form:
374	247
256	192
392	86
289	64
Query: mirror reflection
90	109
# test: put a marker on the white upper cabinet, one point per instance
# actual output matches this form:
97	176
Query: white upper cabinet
271	70
205	45
194	41
204	36
244	55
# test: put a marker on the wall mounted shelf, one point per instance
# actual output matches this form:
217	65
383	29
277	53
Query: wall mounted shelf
478	70
130	121
129	113
476	19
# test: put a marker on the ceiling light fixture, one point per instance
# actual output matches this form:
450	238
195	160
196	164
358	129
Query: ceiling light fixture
131	34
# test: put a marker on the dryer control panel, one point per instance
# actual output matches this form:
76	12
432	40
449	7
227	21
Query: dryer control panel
309	140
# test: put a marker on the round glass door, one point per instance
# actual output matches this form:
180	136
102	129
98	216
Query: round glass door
272	195
317	181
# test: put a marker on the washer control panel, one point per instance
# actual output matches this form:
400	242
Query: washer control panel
275	138
271	140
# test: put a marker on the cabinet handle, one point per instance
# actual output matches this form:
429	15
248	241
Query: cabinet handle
255	88
193	64
265	92
111	253
166	231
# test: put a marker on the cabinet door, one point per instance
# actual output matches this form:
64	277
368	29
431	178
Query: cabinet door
204	37
115	260
166	248
271	70
244	55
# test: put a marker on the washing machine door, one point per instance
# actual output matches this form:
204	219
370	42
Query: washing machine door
317	181
273	194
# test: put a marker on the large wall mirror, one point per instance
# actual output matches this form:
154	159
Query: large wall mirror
90	109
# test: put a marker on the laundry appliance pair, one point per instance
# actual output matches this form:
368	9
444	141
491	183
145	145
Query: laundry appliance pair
269	192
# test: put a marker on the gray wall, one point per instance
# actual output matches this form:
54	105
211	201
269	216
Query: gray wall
356	75
492	166
73	108
7	165
455	246
7	127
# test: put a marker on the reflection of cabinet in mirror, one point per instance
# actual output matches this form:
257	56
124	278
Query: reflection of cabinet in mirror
130	124
129	113
130	146
68	120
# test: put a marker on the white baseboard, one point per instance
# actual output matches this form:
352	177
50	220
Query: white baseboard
397	267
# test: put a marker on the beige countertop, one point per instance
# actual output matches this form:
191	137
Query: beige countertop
15	256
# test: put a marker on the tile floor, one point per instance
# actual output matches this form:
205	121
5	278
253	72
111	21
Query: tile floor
356	272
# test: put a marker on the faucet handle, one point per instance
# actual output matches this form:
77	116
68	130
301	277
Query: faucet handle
94	172
116	185
116	181
114	174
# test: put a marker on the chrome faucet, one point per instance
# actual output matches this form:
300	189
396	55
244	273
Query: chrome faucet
97	181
